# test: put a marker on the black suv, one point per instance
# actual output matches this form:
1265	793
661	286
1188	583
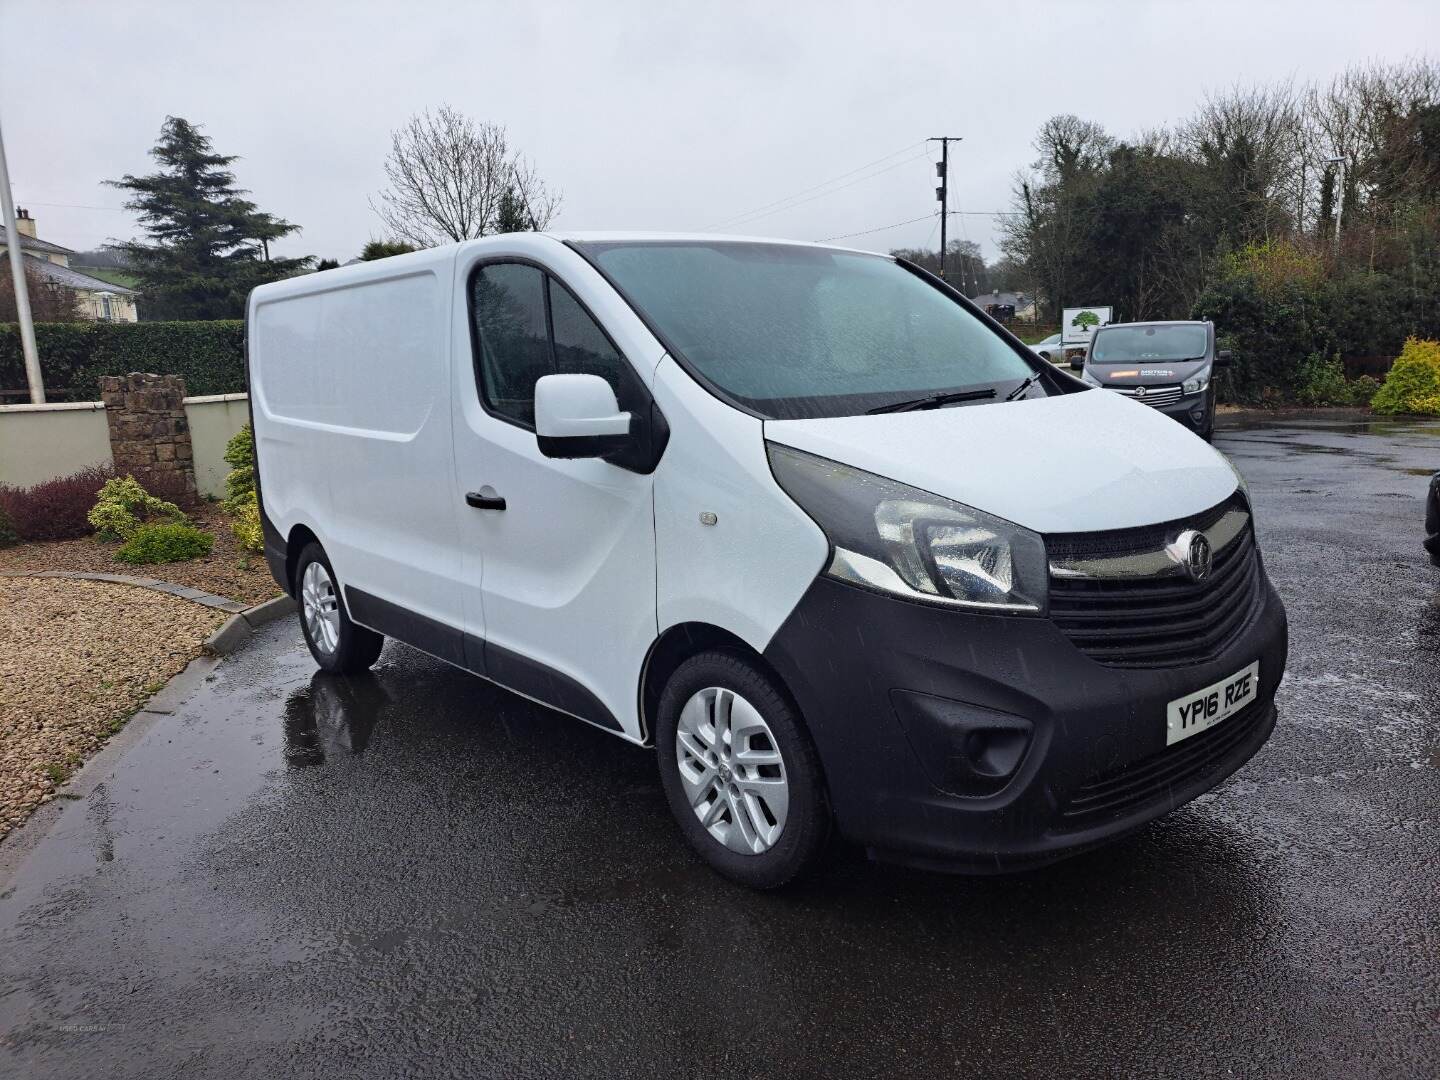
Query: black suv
1167	365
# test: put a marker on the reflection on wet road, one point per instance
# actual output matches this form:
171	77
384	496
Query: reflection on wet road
416	872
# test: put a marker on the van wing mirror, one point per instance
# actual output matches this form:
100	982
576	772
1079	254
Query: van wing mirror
1222	358
577	416
1077	361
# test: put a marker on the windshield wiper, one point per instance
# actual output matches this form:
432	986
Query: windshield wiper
1031	381
934	401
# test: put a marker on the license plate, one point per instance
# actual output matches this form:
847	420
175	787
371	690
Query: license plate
1197	712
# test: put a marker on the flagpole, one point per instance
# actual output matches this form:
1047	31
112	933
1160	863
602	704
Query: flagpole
22	291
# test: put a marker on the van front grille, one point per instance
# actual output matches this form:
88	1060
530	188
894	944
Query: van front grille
1112	793
1157	620
1154	396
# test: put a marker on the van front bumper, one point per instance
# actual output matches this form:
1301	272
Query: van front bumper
1195	412
986	743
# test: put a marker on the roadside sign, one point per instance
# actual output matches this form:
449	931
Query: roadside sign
1078	323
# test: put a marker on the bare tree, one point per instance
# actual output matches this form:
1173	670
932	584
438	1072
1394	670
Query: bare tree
1367	116
1249	140
453	178
1069	146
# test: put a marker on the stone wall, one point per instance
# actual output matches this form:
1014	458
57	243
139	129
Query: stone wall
149	434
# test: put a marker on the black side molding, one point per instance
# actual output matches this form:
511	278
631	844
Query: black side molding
546	685
479	657
402	624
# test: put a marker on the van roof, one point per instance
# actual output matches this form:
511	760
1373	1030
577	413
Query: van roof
352	273
1154	322
647	237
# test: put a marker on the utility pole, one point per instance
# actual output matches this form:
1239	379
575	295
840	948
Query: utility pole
942	170
22	291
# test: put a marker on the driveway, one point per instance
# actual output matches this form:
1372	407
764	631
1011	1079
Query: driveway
419	874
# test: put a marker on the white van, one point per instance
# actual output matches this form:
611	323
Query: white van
801	518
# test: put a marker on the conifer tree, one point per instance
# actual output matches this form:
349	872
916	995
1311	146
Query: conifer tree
208	244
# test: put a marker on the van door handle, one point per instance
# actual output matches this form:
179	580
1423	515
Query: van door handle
485	499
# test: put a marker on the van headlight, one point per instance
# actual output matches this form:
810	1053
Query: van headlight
897	539
1196	383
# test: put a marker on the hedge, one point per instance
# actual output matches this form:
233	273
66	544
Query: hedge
210	356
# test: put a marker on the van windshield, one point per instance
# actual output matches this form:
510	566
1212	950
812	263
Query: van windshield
1128	344
792	332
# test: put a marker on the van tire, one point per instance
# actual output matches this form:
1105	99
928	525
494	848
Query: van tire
355	647
800	846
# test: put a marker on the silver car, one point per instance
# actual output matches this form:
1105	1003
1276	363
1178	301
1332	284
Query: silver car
1050	349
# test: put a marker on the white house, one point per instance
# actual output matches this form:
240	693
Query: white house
95	298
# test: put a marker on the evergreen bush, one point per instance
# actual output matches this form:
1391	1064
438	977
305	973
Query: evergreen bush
124	507
163	543
1413	385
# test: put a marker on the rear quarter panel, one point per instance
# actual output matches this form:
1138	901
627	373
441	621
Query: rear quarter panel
349	392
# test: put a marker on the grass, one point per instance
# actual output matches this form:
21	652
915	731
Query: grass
123	278
58	774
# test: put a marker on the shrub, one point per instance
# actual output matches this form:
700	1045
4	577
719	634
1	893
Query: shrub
240	481
1363	389
7	530
1275	264
1272	324
210	356
1321	381
246	525
124	506
54	509
1413	385
165	543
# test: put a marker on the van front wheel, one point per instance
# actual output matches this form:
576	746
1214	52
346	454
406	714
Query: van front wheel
740	772
336	643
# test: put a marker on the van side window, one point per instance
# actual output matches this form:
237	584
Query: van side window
509	311
581	347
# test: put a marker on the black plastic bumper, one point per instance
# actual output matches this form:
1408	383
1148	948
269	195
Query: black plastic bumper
276	553
917	711
1186	409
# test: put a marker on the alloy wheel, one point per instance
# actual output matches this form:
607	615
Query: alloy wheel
733	771
321	607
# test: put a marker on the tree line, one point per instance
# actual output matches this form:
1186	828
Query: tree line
1304	218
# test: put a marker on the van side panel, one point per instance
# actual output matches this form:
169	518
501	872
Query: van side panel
350	393
747	572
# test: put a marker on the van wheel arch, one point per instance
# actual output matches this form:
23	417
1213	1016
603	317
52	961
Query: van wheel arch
299	539
679	643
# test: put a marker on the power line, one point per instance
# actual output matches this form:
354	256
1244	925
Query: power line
882	228
832	191
77	206
931	235
782	204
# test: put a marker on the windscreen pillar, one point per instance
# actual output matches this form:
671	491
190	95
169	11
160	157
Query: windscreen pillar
149	435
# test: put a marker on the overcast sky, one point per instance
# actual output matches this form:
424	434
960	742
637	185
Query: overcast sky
667	115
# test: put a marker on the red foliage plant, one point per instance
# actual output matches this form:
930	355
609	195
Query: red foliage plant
54	509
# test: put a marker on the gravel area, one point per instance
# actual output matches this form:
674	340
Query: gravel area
228	570
77	659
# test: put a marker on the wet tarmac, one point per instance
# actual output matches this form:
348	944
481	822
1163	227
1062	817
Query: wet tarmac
419	874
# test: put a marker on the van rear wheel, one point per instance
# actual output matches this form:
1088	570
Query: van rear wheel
337	644
740	772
